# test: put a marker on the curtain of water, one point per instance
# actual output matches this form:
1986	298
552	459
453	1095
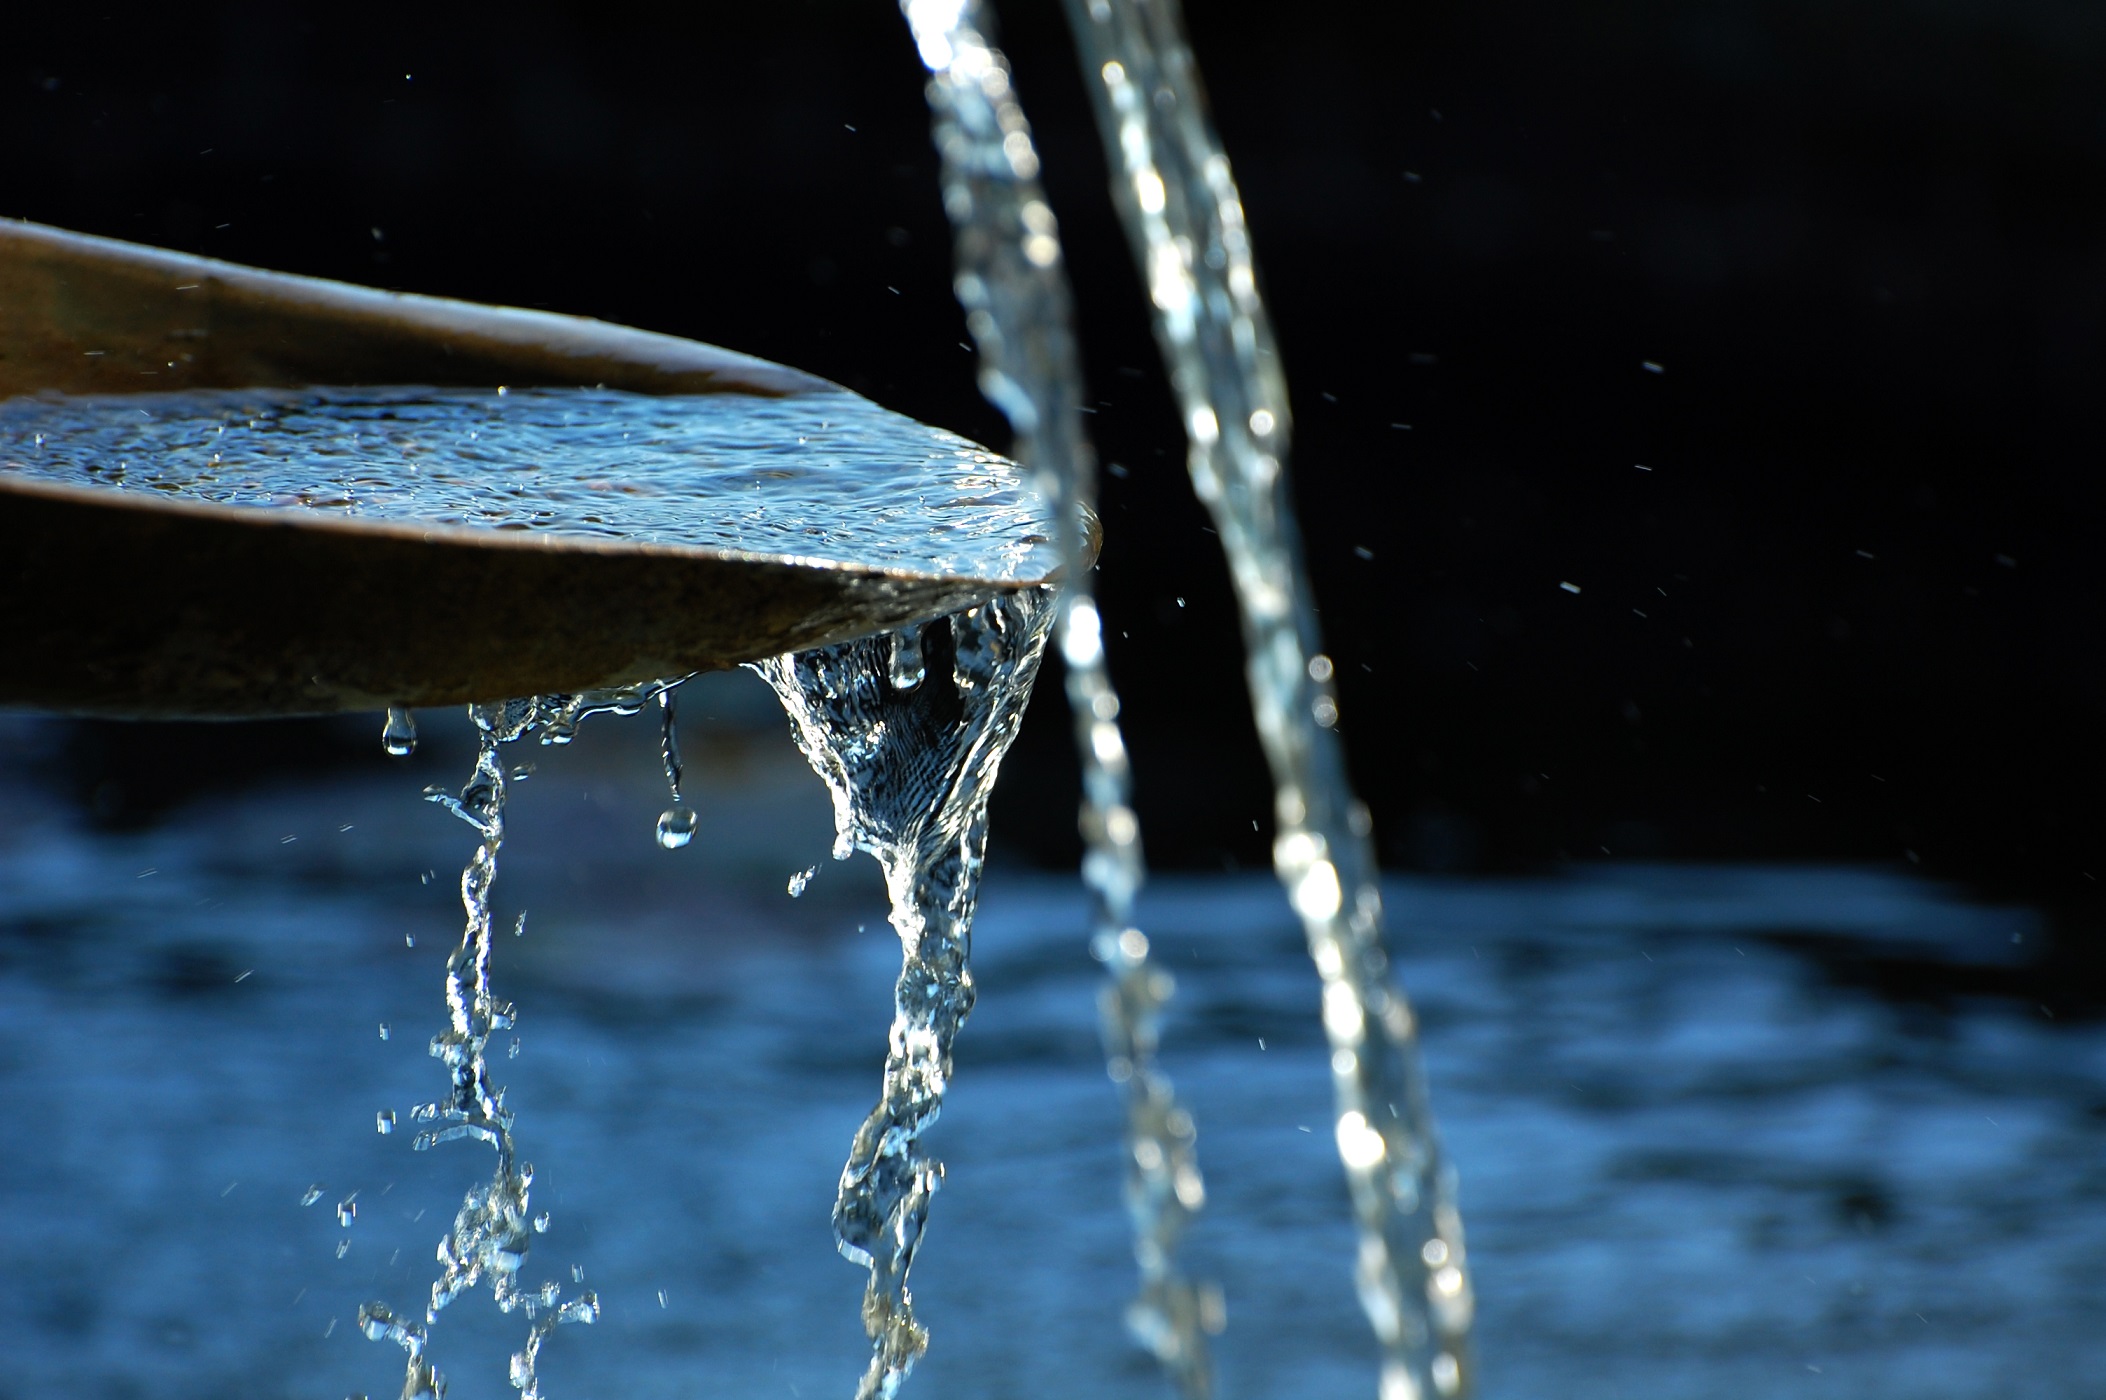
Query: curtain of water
1015	295
909	755
1184	219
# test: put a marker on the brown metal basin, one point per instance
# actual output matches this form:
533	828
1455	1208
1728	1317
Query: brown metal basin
112	605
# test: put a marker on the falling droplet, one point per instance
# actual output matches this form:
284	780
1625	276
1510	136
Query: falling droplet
384	1121
343	1247
311	1195
373	1320
907	670
383	1030
676	824
399	735
346	1211
541	1223
802	880
676	827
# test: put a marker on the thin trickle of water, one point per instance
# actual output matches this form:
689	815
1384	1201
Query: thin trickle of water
398	735
676	824
909	771
1184	219
1016	300
490	1235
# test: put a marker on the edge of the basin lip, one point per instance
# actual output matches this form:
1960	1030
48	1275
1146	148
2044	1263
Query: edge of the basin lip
356	296
466	537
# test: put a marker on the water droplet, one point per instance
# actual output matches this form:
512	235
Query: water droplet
399	735
346	1211
383	1030
343	1247
373	1320
676	827
541	1223
311	1195
384	1121
907	670
802	880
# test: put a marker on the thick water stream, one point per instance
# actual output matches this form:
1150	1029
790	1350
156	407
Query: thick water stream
1184	218
909	755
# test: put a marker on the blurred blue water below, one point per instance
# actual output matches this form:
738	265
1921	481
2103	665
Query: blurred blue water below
1697	1162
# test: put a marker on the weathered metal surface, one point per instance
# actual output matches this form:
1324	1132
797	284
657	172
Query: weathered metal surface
114	605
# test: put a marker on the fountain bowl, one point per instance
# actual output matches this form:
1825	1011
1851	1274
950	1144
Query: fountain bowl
124	604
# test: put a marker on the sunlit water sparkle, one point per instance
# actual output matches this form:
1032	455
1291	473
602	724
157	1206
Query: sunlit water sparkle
822	476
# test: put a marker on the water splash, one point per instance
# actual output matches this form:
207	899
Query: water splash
909	771
1184	219
490	1237
1010	283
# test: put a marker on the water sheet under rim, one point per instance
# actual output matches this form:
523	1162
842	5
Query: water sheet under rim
150	603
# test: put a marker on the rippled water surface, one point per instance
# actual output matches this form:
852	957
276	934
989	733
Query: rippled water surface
1708	1149
826	476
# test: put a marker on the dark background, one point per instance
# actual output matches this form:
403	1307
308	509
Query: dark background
1851	612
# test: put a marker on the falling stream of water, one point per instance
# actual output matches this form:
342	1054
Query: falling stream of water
1184	217
493	1230
909	756
1017	307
